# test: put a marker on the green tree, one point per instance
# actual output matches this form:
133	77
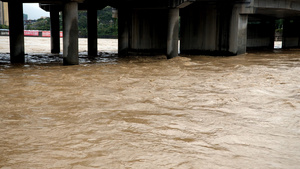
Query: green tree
4	27
279	25
107	26
82	23
40	24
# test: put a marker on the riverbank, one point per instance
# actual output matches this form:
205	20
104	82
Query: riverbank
42	45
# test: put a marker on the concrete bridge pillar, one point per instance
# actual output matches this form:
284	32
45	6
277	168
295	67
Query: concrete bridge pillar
92	31
16	29
238	32
291	34
144	31
198	29
213	29
173	32
149	32
124	24
55	35
261	32
70	31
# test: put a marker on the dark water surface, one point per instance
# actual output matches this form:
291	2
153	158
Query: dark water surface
187	112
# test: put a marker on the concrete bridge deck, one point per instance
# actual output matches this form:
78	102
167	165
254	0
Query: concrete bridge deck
214	27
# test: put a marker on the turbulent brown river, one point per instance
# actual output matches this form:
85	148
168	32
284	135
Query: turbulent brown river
149	112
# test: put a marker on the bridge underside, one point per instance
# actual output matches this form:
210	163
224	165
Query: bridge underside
208	27
261	28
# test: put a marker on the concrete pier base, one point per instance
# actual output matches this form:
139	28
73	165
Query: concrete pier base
198	29
16	29
149	32
55	35
261	32
238	32
213	29
70	31
143	31
291	34
92	31
124	24
173	30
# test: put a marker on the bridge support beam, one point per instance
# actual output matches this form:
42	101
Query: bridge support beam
198	29
238	32
149	32
261	32
124	24
92	31
291	34
173	32
144	31
213	29
55	34
16	29
70	31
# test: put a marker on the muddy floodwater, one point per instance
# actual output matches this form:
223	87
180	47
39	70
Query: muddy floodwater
150	112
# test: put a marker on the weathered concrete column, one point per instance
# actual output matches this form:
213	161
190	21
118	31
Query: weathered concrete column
173	30
123	31
238	32
260	32
291	34
149	32
16	32
70	31
55	35
213	29
202	30
142	31
92	31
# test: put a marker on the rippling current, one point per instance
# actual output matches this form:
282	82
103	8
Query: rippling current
149	112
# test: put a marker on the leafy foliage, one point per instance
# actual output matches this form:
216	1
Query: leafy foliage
107	26
82	23
40	24
4	27
279	25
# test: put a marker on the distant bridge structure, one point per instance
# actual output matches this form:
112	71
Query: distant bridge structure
150	27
